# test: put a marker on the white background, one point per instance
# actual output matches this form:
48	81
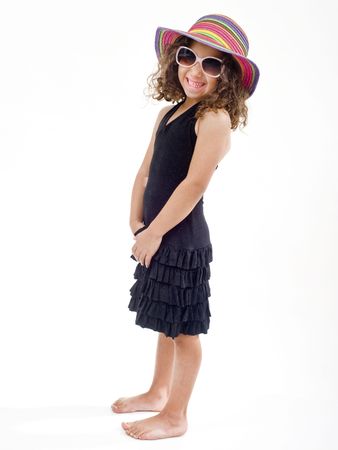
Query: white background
74	126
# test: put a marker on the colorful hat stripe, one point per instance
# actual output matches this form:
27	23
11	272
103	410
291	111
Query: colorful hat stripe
222	36
220	32
232	27
227	34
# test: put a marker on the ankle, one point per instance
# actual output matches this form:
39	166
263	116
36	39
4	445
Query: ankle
159	393
174	416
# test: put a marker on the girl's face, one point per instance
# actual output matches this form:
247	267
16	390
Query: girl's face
190	75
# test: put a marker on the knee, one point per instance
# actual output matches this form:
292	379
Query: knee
185	338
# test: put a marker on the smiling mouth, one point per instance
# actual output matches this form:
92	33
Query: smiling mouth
194	83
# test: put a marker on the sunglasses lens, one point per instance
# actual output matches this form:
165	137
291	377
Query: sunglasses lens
185	57
212	67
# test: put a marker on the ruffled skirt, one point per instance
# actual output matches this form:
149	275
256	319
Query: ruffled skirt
171	295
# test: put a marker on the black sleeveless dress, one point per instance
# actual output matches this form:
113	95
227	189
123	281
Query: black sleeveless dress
171	295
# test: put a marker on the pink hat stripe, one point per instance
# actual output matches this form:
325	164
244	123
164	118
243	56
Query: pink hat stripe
246	78
166	38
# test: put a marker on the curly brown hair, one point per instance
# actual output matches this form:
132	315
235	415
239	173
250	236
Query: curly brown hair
229	94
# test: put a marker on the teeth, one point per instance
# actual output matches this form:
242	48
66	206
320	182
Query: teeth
196	85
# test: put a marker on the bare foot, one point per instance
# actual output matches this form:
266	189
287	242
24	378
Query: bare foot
143	402
156	427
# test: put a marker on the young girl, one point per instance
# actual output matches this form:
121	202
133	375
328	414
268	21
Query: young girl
207	72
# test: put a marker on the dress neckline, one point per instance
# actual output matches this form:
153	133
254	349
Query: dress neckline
174	109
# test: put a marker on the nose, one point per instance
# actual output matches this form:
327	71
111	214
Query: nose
197	68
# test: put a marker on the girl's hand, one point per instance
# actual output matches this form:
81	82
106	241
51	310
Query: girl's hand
146	246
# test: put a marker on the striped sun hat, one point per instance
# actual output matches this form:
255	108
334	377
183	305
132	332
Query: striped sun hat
220	32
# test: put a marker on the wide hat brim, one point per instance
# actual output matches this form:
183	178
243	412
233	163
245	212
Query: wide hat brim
250	72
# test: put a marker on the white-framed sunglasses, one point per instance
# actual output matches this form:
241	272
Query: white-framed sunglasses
211	65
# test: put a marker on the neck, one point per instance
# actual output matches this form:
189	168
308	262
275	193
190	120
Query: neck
188	102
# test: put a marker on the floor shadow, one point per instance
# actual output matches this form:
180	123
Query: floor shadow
59	427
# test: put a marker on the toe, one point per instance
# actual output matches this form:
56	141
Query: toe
125	425
130	433
134	433
131	430
143	435
115	404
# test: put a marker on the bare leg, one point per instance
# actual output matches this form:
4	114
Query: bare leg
189	358
157	395
164	366
172	420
